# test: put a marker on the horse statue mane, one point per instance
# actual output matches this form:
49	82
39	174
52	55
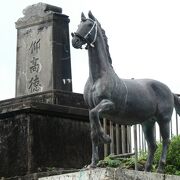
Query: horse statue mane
106	42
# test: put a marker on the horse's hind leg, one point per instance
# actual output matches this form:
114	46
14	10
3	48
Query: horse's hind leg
164	129
148	129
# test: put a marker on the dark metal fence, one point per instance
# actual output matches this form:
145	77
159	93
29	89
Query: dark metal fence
120	137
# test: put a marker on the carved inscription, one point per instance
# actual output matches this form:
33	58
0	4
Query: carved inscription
35	67
35	46
34	84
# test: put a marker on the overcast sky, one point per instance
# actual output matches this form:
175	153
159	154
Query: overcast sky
143	36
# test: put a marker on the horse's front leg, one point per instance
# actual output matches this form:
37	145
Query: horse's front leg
97	133
95	114
95	154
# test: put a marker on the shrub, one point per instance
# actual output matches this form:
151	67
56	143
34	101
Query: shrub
109	162
173	159
173	156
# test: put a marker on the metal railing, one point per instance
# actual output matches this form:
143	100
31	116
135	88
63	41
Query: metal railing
120	138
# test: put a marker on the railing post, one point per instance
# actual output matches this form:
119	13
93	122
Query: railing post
117	139
160	138
155	131
123	139
105	130
135	146
129	139
112	138
142	136
171	128
139	128
177	124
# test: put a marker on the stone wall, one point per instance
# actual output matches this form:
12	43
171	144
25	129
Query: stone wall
35	135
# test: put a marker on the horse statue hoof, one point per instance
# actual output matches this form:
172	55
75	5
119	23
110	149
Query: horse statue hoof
104	139
92	166
161	167
107	139
160	171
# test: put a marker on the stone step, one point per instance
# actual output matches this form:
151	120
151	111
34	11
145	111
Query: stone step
111	174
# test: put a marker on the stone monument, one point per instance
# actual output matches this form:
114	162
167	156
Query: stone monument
43	52
46	125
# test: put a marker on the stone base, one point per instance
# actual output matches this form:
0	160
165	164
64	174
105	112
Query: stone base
36	134
64	98
111	174
36	176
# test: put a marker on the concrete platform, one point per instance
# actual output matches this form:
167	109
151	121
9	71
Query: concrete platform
111	174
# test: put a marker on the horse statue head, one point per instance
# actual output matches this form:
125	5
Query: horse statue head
86	33
91	34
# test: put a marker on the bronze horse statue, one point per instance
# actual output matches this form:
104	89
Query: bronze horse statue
123	101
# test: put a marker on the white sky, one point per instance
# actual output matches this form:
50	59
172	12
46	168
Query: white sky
144	39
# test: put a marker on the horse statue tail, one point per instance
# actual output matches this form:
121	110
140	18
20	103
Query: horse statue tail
177	103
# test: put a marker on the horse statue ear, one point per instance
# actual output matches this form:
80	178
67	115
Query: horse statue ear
83	17
91	16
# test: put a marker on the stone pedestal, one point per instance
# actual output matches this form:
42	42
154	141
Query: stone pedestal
111	174
36	134
43	50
